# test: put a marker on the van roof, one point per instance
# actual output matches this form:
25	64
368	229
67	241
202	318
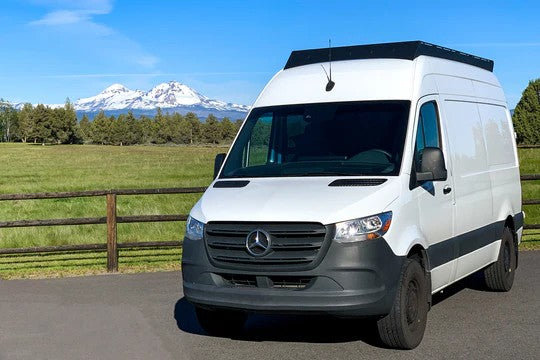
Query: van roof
408	50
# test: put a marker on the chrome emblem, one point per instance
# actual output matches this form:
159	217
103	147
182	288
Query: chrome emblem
258	243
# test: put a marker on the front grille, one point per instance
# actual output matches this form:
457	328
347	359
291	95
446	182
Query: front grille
277	282
290	282
240	280
294	245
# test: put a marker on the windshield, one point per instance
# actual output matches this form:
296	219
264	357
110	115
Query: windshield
325	139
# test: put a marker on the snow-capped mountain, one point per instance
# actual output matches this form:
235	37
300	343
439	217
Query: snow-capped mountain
170	95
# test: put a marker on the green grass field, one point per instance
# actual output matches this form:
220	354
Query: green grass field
35	168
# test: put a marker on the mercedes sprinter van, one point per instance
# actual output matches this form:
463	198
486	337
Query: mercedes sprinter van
363	180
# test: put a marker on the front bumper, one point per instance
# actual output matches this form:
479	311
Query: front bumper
357	279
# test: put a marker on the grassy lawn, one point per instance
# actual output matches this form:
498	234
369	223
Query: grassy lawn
35	168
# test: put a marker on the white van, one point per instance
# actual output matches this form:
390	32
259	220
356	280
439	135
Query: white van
363	180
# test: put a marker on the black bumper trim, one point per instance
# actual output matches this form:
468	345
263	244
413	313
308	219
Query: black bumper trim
358	279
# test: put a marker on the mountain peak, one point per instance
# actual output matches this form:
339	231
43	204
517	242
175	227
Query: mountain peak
167	95
115	88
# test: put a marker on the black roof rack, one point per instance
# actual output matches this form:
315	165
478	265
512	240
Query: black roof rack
408	50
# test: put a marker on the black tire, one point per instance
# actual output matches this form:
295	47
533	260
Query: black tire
221	322
500	275
404	326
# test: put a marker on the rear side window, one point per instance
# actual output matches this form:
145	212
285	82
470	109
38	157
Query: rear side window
427	134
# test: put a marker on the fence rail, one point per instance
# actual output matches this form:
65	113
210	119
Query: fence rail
111	220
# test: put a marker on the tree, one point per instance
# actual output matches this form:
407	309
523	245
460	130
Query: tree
100	129
195	125
70	124
134	130
8	120
85	129
41	124
527	115
26	124
148	133
228	129
212	130
238	123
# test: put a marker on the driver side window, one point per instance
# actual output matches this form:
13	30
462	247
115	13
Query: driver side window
427	133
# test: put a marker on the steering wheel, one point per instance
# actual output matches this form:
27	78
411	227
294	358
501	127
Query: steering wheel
388	155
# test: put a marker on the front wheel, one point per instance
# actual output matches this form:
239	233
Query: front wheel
500	275
221	322
404	326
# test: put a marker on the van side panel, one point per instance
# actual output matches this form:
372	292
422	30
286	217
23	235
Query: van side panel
501	151
474	223
469	158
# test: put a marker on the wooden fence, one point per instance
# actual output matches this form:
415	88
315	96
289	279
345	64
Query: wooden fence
111	220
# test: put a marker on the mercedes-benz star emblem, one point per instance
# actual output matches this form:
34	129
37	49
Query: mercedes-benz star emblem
258	243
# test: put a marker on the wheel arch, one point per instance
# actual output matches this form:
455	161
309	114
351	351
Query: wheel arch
509	223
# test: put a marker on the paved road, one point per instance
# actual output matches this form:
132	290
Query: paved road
144	316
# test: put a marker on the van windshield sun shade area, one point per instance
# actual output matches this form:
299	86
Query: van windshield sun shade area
323	139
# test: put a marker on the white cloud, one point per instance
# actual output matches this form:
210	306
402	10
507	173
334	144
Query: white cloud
61	17
78	15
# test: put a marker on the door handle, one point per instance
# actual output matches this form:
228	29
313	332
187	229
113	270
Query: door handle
446	190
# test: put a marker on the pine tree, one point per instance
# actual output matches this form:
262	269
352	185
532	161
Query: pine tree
185	131
527	115
228	129
41	124
148	133
195	125
25	122
238	124
85	129
134	130
100	129
212	130
70	124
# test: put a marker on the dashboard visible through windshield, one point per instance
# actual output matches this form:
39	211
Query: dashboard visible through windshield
323	139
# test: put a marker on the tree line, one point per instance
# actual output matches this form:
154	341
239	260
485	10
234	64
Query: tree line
42	124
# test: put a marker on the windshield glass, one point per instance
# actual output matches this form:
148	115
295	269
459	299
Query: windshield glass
325	139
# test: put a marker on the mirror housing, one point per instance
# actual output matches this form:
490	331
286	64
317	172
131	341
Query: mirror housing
433	168
218	161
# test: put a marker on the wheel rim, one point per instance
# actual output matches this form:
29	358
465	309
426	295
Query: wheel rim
411	305
506	257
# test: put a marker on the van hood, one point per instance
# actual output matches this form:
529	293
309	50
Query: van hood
294	199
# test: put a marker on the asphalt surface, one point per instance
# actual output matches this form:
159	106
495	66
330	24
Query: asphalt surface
144	316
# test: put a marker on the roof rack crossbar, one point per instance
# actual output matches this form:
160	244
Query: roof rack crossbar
408	50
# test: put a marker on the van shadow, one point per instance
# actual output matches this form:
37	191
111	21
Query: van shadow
287	328
474	281
311	328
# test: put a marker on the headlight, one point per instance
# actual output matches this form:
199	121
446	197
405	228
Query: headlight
194	229
367	228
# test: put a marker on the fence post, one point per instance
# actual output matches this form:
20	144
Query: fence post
112	248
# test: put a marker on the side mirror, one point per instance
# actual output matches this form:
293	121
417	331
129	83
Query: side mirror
218	161
433	168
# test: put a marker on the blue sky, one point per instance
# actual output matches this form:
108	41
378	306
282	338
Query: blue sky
53	49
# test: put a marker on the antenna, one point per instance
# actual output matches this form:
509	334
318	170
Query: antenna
330	84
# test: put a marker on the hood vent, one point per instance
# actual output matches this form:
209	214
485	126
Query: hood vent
231	183
357	182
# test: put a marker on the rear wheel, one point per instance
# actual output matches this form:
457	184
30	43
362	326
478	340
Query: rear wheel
404	326
500	275
221	322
